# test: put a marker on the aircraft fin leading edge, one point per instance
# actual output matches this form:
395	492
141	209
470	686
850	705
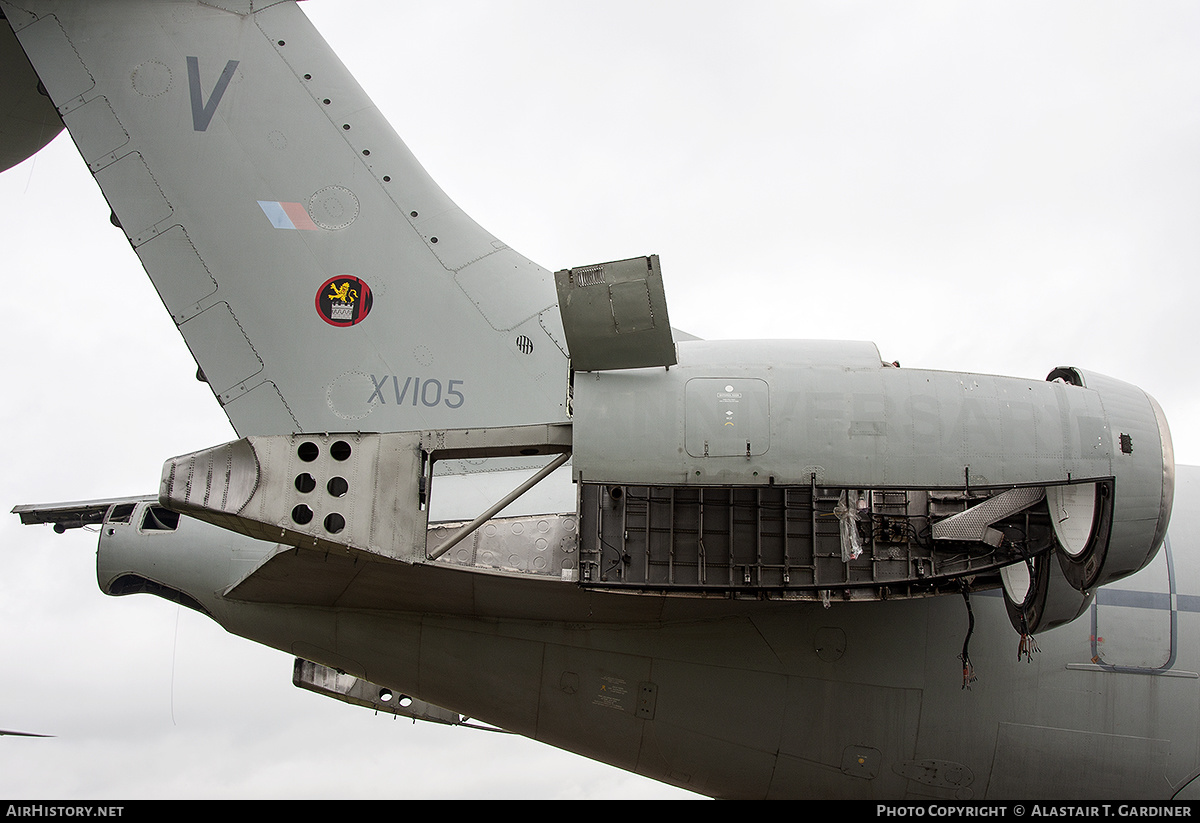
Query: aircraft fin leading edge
321	279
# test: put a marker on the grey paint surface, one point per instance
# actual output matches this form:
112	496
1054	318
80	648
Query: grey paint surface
749	699
192	171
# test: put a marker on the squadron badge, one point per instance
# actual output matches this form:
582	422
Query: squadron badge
344	300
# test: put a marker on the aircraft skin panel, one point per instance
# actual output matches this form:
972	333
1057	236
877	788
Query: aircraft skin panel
861	425
1035	760
316	578
371	301
728	698
595	696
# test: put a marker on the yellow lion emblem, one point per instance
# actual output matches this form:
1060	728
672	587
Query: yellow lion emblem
343	293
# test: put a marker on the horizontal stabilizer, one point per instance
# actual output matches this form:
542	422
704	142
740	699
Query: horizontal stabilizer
74	515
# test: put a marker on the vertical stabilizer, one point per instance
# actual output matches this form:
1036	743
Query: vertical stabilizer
321	279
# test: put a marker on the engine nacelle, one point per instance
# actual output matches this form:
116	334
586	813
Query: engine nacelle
938	464
1143	487
1038	596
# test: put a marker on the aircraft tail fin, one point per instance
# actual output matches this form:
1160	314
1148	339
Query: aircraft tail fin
321	279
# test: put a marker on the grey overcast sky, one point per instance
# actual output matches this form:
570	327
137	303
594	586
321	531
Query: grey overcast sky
998	187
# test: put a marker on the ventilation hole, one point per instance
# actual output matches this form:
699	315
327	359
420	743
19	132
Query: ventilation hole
159	519
334	523
302	514
346	126
366	152
308	451
340	450
120	513
305	483
337	486
412	214
326	101
387	178
282	43
432	239
308	77
524	345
